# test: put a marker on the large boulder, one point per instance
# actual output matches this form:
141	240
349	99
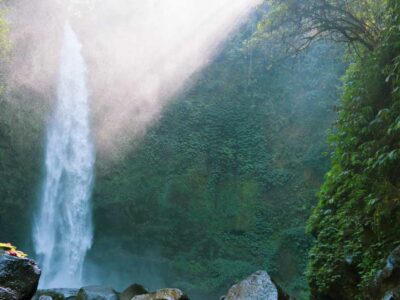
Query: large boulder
163	294
131	291
19	278
97	292
258	286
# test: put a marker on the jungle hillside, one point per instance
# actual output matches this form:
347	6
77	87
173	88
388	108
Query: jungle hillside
192	150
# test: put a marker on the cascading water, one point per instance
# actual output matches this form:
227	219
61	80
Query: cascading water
63	226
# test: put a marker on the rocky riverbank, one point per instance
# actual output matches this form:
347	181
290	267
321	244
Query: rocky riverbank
258	286
19	278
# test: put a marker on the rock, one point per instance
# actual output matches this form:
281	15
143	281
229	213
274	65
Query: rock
258	286
131	291
97	292
45	298
57	294
392	295
386	284
7	294
163	294
19	278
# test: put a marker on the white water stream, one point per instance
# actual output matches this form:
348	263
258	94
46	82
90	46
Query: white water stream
63	225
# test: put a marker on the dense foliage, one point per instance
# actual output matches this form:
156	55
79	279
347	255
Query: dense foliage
223	184
21	132
357	219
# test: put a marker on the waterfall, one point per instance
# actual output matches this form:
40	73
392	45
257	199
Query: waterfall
63	225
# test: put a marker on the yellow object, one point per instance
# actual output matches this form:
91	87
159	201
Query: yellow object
12	250
7	246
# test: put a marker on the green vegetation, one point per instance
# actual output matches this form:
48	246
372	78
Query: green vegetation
294	25
21	134
223	184
225	181
356	221
21	122
220	186
357	218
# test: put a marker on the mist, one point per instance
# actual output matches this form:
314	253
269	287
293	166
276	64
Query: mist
212	146
139	54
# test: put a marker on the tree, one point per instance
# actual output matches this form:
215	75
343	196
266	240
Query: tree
296	24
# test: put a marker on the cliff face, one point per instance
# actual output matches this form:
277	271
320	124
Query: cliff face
223	183
357	219
219	187
22	115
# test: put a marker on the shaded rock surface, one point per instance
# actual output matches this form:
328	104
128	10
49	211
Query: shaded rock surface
281	293
163	294
258	286
97	292
57	294
131	291
19	278
386	285
392	295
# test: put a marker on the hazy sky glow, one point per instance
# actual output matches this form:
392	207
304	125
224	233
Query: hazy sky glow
139	53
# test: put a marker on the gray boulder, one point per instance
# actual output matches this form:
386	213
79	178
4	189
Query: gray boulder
97	292
257	286
19	278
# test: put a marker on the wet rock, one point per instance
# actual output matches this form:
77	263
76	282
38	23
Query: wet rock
163	294
7	294
392	295
19	278
133	290
57	294
97	292
386	285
